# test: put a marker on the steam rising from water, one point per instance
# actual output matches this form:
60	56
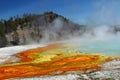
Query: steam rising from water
101	39
98	39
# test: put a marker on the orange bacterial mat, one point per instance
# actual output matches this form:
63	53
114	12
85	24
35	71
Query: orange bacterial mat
50	60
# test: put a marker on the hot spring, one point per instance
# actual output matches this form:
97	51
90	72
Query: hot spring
108	47
105	47
101	39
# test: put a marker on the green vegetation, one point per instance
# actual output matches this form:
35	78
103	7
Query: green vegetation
2	27
12	23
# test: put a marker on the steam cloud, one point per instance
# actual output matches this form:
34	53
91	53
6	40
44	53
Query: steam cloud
59	30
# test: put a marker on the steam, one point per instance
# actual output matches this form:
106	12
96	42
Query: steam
60	30
104	21
105	24
57	30
105	13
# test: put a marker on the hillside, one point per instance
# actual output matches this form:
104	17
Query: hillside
30	28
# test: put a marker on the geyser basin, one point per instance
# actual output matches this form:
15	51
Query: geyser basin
51	60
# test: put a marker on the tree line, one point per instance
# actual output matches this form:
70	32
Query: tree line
12	23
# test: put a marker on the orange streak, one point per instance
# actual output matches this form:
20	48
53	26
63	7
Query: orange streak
37	70
78	62
24	55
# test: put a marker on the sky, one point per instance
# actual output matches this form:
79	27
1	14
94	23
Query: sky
79	11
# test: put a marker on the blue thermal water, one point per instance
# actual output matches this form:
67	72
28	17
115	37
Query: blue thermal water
109	47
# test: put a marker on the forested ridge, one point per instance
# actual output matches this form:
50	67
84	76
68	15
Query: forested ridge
33	27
